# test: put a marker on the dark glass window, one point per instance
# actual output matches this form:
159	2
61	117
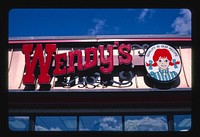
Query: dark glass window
18	123
146	123
100	123
182	122
56	123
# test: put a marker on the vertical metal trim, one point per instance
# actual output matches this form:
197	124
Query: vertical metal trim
36	84
31	123
10	60
123	123
170	121
77	122
136	81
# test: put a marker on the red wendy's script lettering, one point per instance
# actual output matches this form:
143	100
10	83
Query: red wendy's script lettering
65	64
43	78
128	58
88	63
106	61
58	57
71	68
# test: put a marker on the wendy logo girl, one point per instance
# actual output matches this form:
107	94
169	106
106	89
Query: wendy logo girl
162	62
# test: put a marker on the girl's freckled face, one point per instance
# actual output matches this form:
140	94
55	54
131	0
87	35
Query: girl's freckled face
163	63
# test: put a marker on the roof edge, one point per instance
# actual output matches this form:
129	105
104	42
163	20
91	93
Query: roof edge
97	38
101	37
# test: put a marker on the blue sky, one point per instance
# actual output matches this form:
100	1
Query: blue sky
79	22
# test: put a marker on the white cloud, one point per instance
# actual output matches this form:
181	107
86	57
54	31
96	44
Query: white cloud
41	128
21	117
99	25
182	24
144	13
55	129
84	129
146	124
110	124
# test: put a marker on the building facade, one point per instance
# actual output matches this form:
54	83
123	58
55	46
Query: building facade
100	83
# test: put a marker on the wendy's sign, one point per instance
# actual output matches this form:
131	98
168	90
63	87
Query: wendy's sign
162	62
44	60
88	65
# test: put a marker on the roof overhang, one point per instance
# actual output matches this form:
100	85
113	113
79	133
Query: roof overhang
97	38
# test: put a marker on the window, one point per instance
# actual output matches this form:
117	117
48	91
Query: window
18	123
182	122
100	123
56	123
146	123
